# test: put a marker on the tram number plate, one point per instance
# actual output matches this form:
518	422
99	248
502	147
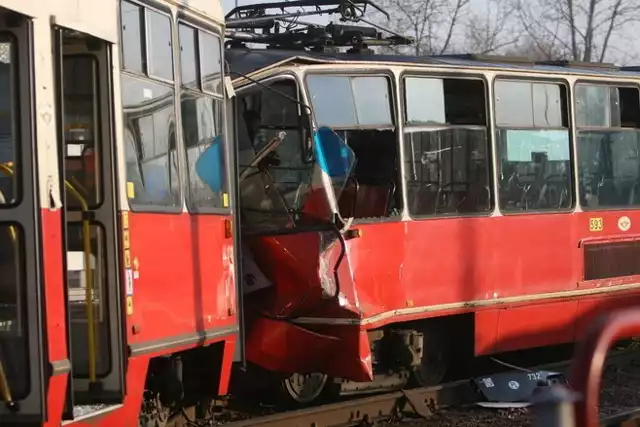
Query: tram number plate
535	376
595	224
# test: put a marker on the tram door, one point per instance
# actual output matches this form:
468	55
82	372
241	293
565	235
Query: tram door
87	146
22	369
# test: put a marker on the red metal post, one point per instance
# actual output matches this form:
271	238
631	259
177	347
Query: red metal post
586	371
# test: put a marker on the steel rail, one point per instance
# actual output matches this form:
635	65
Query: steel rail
420	401
369	409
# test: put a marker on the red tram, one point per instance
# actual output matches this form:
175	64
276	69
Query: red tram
390	213
486	204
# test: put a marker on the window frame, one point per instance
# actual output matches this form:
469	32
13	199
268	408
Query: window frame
478	76
570	120
170	85
199	91
610	83
385	73
162	10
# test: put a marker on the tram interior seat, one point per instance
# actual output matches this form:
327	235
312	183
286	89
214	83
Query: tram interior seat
365	201
370	191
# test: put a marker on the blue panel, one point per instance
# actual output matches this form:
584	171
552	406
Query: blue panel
332	154
208	165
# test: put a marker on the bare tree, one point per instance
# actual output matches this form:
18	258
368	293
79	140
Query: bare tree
536	50
581	30
432	23
493	30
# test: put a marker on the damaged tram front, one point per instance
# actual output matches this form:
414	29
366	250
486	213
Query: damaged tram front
316	148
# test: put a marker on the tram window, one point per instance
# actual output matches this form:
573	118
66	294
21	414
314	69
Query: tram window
188	58
77	292
280	196
608	119
81	130
211	63
201	126
202	118
533	146
425	103
347	102
446	147
13	339
8	124
132	40
152	162
525	104
160	54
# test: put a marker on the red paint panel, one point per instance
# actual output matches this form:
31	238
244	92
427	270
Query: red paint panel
525	327
450	260
54	300
486	331
455	260
284	347
56	396
186	281
590	309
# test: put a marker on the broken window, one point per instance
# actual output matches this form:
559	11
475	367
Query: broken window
359	109
275	192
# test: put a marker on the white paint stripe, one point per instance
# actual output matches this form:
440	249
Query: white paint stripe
468	304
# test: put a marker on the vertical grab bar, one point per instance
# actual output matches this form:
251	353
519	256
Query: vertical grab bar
88	278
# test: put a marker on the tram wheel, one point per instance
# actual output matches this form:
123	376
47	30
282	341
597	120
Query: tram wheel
307	389
435	359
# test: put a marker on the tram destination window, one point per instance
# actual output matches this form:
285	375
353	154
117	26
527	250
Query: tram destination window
202	109
533	146
8	125
608	122
447	163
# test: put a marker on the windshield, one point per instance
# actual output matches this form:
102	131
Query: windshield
280	186
285	167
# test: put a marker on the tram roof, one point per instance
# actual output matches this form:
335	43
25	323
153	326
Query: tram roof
247	61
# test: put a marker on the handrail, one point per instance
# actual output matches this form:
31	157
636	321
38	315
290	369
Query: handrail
88	272
88	278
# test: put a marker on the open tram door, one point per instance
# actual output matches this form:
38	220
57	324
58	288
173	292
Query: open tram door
22	351
87	169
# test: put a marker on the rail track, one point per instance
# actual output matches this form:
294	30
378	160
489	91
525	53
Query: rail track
422	402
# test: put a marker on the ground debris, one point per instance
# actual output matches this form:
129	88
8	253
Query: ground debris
620	393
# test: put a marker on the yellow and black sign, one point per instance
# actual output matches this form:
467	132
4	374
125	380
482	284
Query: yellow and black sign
595	224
